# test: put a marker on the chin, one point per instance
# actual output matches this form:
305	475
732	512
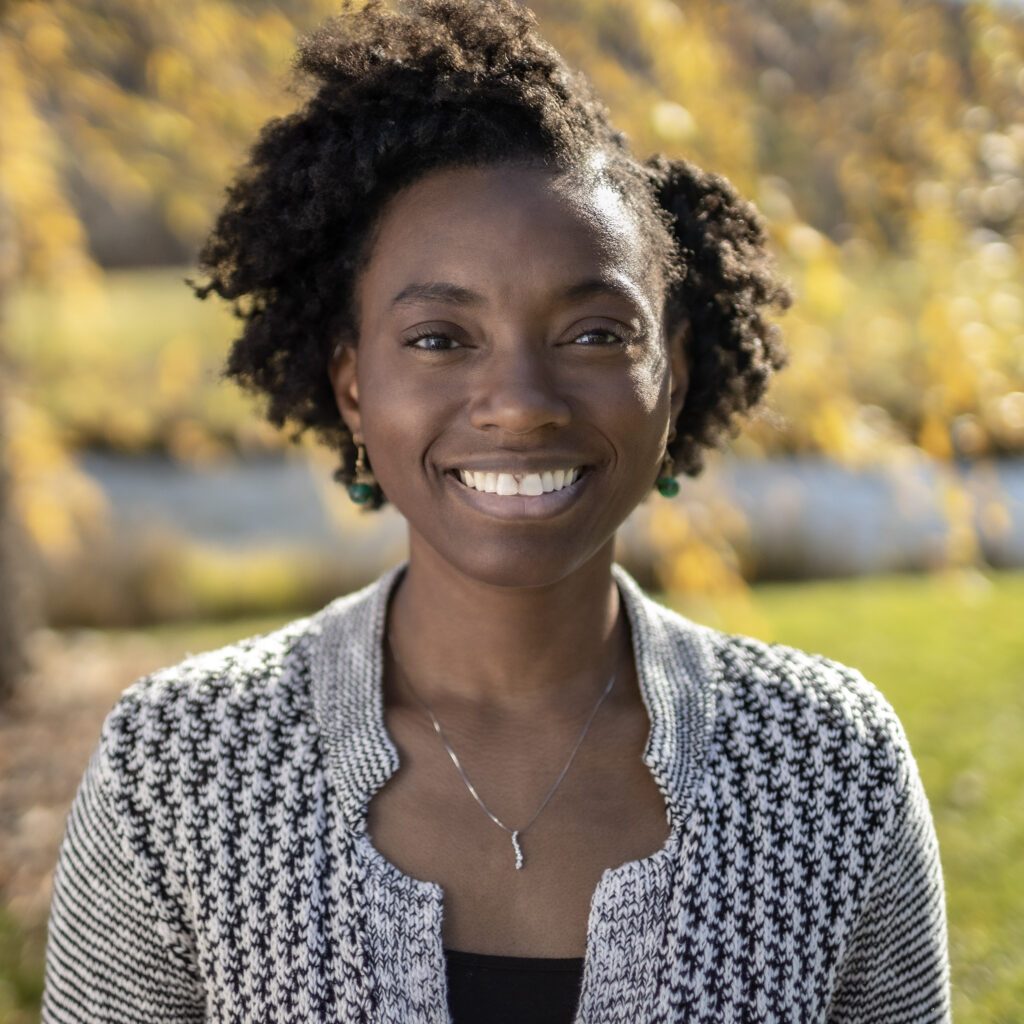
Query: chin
516	564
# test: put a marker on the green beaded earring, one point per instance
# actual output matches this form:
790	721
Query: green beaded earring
667	484
362	487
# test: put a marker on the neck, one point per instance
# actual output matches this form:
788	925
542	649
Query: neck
458	637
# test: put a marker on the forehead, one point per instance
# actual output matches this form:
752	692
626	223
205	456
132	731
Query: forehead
510	230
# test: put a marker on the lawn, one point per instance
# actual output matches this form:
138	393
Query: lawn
948	652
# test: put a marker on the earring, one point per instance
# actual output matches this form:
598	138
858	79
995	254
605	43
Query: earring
362	487
667	484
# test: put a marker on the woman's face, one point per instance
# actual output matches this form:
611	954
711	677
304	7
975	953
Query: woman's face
511	379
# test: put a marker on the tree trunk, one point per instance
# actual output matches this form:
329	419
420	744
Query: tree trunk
12	611
14	600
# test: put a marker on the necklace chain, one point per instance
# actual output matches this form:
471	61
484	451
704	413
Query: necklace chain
514	833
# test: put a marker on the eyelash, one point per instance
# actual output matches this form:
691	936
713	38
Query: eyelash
616	338
451	343
414	342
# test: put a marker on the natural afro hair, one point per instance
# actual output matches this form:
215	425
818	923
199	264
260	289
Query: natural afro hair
447	83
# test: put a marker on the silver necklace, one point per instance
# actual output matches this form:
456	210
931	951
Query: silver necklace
514	833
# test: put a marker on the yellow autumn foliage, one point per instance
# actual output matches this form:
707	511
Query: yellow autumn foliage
58	506
883	141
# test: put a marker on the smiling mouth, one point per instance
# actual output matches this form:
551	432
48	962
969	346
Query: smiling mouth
529	484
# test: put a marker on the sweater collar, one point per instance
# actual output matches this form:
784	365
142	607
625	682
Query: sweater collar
676	667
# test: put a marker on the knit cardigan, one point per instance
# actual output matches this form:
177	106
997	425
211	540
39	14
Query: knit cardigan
217	865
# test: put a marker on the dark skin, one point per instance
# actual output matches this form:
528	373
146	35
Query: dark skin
509	322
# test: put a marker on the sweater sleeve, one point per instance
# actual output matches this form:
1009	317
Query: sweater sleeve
118	949
896	967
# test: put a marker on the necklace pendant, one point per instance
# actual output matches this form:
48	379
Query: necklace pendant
517	848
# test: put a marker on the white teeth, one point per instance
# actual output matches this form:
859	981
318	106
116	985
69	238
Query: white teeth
529	484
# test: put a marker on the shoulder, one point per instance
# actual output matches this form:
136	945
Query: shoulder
194	708
787	708
801	744
816	729
781	682
253	699
241	676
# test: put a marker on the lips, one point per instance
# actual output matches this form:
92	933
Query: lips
508	483
523	492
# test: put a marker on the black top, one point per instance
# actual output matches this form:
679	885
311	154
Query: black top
512	989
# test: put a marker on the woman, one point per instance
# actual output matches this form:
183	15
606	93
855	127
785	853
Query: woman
499	784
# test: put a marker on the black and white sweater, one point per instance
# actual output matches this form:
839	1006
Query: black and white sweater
217	866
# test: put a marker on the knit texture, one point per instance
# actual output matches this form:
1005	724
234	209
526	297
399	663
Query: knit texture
217	867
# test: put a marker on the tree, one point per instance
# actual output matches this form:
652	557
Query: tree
14	615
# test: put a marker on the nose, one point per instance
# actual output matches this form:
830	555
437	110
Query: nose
518	393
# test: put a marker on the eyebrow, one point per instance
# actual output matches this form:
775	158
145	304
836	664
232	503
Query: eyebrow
437	291
457	295
603	286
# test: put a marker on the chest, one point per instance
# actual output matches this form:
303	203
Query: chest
605	811
308	921
343	935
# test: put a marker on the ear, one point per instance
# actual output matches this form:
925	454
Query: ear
342	372
679	364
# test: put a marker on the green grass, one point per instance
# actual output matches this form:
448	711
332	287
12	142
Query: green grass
21	972
948	653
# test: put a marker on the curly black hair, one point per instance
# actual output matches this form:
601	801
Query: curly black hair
447	83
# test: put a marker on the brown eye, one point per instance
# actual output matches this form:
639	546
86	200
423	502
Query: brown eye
433	342
599	338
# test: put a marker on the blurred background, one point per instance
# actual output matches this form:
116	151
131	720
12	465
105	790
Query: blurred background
874	512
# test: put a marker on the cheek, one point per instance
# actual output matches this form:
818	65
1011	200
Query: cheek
385	404
649	378
385	392
392	425
402	414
